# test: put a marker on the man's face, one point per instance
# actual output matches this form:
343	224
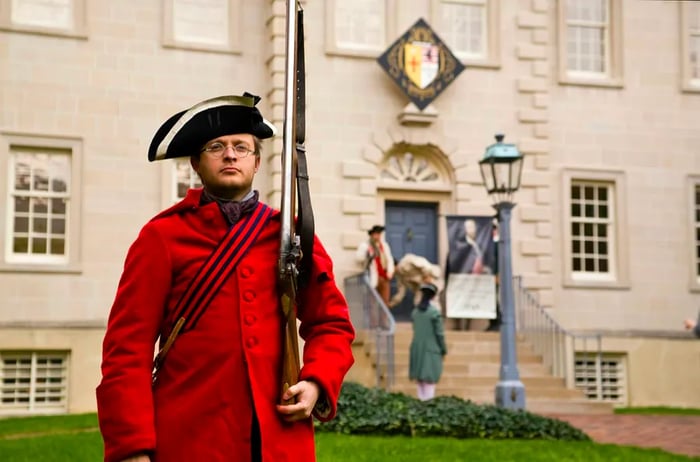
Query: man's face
376	236
470	228
229	175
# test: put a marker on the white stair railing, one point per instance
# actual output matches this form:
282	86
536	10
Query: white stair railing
369	313
557	345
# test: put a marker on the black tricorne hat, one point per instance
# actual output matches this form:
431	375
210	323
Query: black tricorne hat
429	288
184	134
375	229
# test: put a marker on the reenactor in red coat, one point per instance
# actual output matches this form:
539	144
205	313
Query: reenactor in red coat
216	397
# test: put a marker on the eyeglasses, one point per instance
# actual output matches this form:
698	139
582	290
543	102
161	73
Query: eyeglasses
217	150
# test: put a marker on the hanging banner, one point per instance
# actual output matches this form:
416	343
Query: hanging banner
469	275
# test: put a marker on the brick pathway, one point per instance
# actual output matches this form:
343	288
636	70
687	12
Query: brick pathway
672	433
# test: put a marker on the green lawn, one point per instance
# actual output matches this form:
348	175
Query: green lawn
76	439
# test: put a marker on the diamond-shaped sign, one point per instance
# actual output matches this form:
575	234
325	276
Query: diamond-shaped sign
421	64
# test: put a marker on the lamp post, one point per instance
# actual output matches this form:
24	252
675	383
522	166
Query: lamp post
501	169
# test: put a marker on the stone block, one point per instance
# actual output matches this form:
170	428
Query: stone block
352	169
531	51
530	20
358	205
531	85
534	213
535	247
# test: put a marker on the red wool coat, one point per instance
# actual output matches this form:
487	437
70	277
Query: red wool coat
201	406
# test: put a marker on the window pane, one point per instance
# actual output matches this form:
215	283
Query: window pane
58	226
22	204
58	247
40	205
39	225
58	206
39	245
575	210
20	245
21	225
603	248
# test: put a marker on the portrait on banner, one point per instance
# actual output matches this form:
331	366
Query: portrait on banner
470	269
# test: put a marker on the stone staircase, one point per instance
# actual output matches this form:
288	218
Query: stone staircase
471	371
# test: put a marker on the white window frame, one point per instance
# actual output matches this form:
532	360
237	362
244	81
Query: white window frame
491	57
170	171
77	13
613	75
235	20
332	46
618	277
693	183
689	84
34	406
71	261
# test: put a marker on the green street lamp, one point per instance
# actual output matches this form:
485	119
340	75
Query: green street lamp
501	169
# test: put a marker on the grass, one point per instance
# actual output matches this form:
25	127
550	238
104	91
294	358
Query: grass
658	410
75	438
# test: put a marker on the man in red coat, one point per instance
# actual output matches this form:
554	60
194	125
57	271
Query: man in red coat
216	396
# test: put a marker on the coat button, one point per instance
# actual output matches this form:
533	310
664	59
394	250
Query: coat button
246	271
250	319
249	295
251	342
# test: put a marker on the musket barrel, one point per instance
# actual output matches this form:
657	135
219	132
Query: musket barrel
288	134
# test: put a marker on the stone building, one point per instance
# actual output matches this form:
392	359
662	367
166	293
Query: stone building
607	114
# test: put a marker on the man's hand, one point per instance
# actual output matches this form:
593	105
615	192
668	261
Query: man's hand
307	394
689	324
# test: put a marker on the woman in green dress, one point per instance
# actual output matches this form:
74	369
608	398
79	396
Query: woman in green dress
428	345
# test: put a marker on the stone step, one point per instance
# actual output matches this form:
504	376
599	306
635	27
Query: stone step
486	393
465	380
458	357
480	369
471	370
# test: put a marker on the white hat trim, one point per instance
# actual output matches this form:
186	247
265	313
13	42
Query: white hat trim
196	109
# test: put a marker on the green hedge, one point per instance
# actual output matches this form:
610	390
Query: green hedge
374	411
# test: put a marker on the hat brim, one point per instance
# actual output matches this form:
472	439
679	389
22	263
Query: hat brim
184	134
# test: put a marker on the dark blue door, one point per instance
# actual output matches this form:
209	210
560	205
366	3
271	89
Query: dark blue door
411	227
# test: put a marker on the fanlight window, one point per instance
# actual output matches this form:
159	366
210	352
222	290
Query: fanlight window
407	167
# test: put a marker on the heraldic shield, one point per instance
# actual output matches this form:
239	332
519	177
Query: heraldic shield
421	64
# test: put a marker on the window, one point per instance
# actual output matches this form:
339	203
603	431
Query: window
413	164
592	229
33	382
690	40
590	42
184	178
54	17
210	25
470	29
594	254
42	216
601	377
694	188
360	27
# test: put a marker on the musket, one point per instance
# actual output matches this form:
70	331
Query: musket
295	249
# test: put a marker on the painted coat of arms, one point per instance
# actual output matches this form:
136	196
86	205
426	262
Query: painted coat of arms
421	64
